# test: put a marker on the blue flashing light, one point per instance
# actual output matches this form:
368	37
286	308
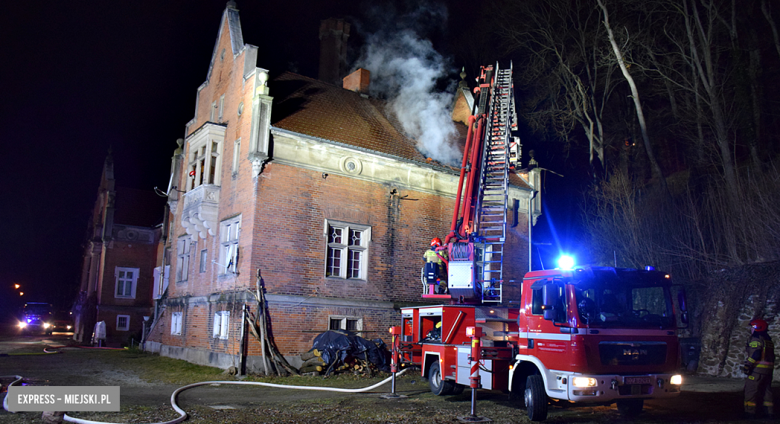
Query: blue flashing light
649	268
566	262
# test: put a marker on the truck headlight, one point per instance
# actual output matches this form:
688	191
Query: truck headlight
676	379
584	382
22	324
46	325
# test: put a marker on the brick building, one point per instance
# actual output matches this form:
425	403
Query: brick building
120	254
314	185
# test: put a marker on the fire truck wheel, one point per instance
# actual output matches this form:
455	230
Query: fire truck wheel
439	386
630	407
535	398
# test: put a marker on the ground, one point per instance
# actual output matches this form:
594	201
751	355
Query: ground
147	382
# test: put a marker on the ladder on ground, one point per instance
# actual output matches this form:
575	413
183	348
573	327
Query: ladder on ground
491	216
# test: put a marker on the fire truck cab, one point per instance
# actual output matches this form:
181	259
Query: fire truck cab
597	335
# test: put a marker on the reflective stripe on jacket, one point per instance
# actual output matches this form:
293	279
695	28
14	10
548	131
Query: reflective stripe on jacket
760	354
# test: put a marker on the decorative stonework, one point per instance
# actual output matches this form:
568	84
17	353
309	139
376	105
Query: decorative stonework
133	234
200	211
351	165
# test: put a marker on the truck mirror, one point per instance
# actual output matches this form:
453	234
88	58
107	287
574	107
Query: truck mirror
550	300
549	314
681	301
549	295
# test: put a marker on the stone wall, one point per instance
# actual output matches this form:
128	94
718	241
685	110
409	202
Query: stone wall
723	307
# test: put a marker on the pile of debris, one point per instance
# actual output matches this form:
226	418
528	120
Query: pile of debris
340	351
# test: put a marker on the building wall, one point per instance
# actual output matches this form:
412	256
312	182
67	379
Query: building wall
126	254
292	206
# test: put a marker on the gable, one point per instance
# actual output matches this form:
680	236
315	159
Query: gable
230	27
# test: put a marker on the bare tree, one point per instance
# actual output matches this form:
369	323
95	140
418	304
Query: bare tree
654	166
766	8
572	84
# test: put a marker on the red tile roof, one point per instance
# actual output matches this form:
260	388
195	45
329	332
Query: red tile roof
318	109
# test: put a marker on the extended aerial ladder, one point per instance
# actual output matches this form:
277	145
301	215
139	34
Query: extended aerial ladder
478	232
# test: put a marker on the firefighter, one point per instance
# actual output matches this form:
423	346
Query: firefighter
438	255
758	367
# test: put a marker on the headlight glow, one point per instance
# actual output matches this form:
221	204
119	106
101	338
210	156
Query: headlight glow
22	324
69	327
676	379
46	325
584	382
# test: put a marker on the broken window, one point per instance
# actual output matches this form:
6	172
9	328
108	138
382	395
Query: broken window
229	232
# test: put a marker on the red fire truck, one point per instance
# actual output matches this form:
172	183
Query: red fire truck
585	334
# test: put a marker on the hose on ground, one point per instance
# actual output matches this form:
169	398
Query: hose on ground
183	414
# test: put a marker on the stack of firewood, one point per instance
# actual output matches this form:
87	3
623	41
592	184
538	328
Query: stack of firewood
313	362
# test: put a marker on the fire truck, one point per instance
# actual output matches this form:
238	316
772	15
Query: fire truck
596	335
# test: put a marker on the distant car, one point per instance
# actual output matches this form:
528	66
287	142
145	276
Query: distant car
36	317
62	322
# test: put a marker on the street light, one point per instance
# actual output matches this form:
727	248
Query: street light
16	286
21	293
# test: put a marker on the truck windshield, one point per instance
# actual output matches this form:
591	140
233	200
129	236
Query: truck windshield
37	309
606	304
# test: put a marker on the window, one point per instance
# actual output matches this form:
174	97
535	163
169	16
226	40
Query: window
122	322
176	323
236	155
351	324
126	279
183	262
347	250
204	150
213	110
203	164
221	107
203	257
229	232
221	322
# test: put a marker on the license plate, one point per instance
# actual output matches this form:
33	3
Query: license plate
638	380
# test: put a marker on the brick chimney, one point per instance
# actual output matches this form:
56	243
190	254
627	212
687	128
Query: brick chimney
334	34
357	81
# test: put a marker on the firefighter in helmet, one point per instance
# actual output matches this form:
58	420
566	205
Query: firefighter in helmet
438	255
758	367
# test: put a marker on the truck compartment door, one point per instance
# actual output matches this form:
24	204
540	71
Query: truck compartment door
464	369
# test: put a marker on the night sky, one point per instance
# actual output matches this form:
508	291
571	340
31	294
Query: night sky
82	77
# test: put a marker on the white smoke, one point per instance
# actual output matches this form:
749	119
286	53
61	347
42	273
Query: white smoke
405	69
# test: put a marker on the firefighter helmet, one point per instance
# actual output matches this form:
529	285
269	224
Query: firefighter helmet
436	242
759	325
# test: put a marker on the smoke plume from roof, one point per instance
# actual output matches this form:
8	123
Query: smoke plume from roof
405	69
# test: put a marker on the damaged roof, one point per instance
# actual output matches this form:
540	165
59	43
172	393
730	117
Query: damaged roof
318	109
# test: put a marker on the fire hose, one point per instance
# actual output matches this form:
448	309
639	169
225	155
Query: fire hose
183	414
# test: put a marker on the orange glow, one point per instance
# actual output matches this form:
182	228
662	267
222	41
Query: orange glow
21	293
16	286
